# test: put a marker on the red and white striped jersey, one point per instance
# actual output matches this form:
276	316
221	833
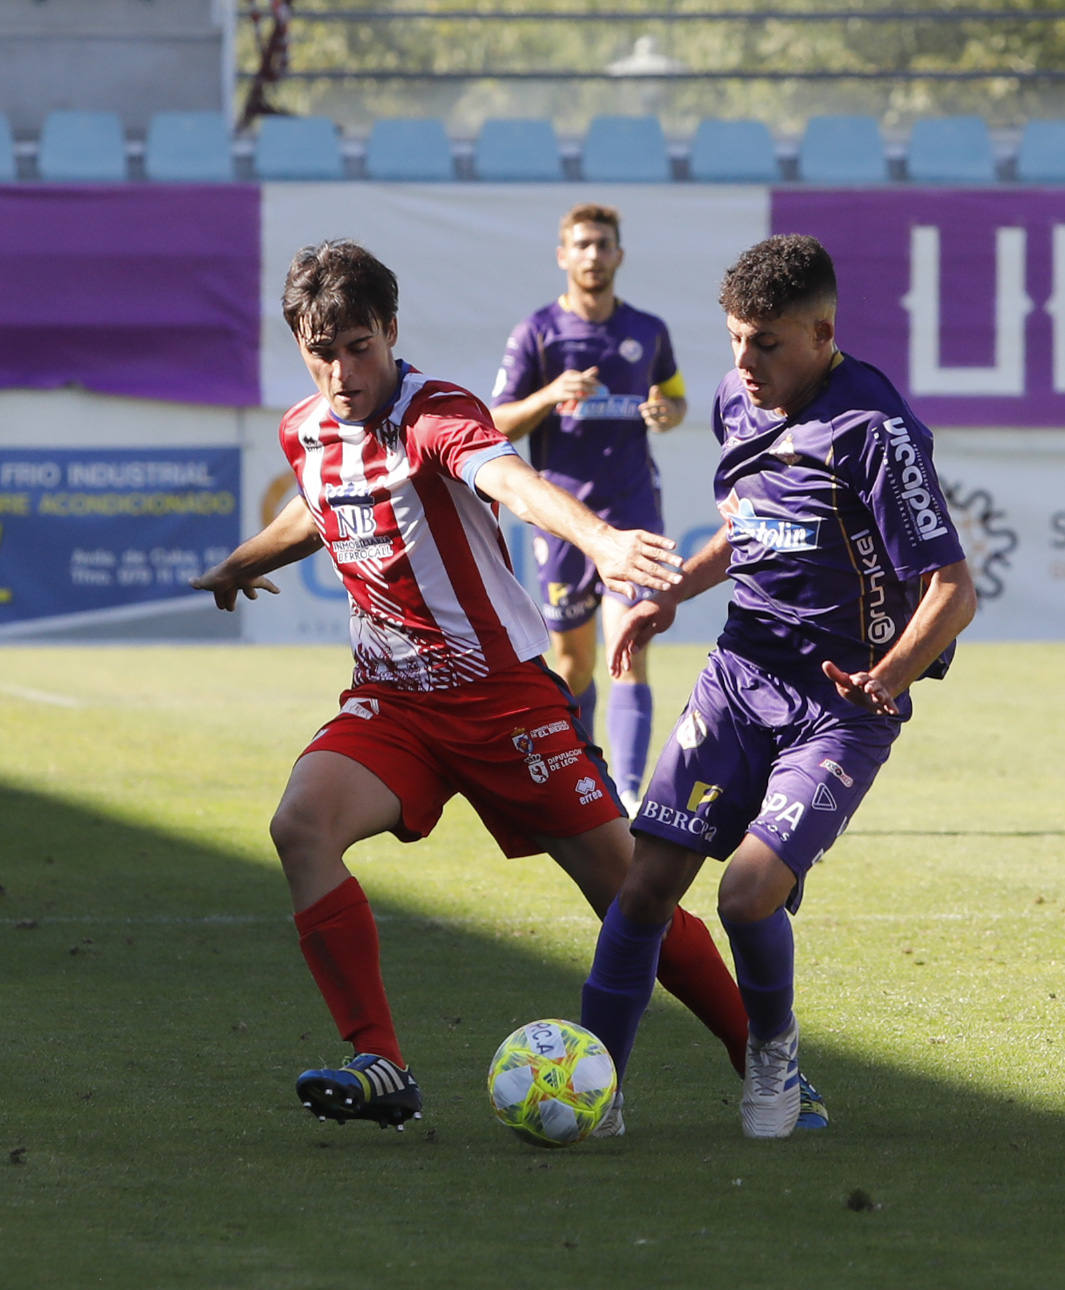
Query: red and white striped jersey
434	600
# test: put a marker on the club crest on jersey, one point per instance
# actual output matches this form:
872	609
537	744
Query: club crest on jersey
784	450
630	350
743	521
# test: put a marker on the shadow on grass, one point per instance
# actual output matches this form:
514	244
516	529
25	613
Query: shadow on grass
156	1010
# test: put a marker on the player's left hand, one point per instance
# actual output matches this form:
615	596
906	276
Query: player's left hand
862	689
657	411
637	626
631	558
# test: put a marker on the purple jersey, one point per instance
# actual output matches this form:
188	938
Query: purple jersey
594	448
834	518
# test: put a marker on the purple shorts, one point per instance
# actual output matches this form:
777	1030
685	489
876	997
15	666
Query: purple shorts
570	586
752	753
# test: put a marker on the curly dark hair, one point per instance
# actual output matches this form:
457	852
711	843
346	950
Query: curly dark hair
775	275
334	285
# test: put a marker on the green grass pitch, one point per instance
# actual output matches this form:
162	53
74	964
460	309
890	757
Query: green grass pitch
155	1011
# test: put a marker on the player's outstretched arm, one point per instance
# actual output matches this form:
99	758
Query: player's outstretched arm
625	558
289	537
945	609
648	618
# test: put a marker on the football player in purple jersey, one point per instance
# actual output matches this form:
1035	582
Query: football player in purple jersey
586	377
850	583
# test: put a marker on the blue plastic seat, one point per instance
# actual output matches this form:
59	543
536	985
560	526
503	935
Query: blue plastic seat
517	148
950	150
626	149
842	150
732	152
298	147
411	149
1041	153
81	147
188	147
8	171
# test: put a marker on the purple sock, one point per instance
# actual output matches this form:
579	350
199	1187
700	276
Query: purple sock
586	701
628	729
764	955
620	983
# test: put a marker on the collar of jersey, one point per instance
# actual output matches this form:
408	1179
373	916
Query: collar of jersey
379	414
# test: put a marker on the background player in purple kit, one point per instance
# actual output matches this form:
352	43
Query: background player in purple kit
850	584
586	377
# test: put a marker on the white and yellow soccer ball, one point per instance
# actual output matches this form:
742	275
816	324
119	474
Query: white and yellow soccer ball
551	1082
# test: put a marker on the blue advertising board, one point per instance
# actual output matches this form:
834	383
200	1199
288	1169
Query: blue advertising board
86	532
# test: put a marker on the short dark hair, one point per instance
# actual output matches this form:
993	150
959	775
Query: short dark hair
776	275
590	213
334	285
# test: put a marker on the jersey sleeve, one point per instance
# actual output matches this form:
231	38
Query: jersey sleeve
520	373
893	474
665	372
456	433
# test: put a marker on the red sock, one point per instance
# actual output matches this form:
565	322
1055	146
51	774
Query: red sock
690	967
338	937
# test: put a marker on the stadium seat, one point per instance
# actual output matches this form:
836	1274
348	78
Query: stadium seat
950	150
81	147
732	152
842	150
409	148
298	147
517	148
1041	153
188	147
8	171
623	149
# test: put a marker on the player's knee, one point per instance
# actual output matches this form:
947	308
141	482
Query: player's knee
295	833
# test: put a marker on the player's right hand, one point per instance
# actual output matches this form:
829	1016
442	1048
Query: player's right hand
637	625
572	386
226	591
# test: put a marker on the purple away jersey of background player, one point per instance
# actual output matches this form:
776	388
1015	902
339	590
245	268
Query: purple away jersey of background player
833	519
596	448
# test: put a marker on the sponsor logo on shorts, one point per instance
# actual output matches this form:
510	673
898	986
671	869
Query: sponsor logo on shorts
692	730
780	815
367	709
553	728
823	799
703	794
538	772
834	768
684	821
587	790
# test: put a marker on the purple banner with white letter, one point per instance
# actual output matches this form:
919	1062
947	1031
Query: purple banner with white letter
959	296
150	291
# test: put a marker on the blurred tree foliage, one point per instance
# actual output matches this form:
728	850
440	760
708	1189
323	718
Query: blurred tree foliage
923	37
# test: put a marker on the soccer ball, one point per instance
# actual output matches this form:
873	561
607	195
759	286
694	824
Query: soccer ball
551	1082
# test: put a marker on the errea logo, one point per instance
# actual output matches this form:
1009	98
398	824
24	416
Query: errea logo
587	790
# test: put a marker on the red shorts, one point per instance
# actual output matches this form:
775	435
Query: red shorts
511	744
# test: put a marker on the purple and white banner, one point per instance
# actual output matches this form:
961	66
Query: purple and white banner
147	290
959	296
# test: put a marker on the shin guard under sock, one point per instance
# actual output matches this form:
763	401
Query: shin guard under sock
338	937
691	968
628	730
620	983
764	954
